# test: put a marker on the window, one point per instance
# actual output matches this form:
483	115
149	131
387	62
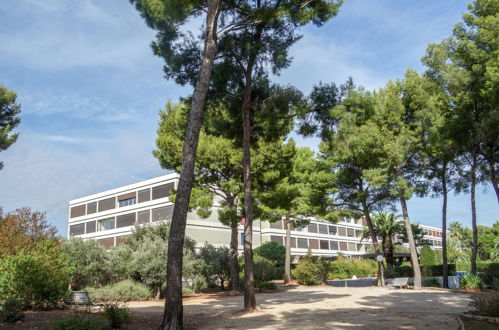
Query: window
302	243
293	242
277	239
348	220
106	224
143	217
312	228
125	220
352	247
333	245
77	211
323	229
127	202
144	195
313	243
162	191
76	230
162	213
342	231
350	232
90	227
276	225
343	246
107	204
242	238
91	207
299	228
333	230
324	245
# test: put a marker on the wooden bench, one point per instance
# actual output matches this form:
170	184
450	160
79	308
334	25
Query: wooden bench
401	282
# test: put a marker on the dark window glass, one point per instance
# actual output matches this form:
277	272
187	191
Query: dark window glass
76	230
323	229
333	230
162	191
143	217
106	224
126	196
90	227
277	239
91	207
343	246
276	225
302	243
107	243
127	202
107	204
352	247
312	228
342	231
313	243
162	213
333	245
242	238
77	211
350	232
144	195
125	220
324	245
293	242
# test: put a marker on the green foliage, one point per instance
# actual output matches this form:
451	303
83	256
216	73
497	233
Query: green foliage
471	282
199	283
426	271
115	314
187	290
80	322
272	251
90	263
11	310
263	269
216	264
486	303
306	272
346	268
266	286
9	118
126	290
39	278
490	273
431	282
427	256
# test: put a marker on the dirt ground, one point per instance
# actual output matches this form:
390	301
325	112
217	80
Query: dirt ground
299	307
318	307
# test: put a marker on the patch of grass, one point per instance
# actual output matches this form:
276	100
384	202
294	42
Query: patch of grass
81	322
470	324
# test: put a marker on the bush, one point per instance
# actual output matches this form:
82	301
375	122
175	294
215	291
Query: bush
216	260
187	290
39	278
116	315
486	303
427	256
263	269
347	268
266	286
431	282
307	272
426	271
471	282
272	251
126	290
199	283
11	310
77	322
491	273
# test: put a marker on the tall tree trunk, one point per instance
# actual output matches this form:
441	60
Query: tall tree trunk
493	178
389	250
412	244
474	249
445	270
381	280
287	261
233	262
173	313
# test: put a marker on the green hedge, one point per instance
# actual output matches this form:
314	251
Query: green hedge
126	290
426	271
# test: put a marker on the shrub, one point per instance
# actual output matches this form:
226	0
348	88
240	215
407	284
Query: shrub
39	278
267	286
78	322
216	260
272	251
199	283
307	272
126	290
486	303
426	271
347	268
427	256
187	290
263	269
431	282
471	282
11	310
116	315
324	268
491	273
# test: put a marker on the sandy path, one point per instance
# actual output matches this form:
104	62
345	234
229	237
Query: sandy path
321	307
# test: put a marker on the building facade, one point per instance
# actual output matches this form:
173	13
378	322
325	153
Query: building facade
110	216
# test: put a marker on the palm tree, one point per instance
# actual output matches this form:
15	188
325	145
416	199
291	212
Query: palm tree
386	226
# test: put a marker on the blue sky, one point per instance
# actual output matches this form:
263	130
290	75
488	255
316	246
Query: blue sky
91	89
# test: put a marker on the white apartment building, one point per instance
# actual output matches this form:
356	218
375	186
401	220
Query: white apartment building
110	216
